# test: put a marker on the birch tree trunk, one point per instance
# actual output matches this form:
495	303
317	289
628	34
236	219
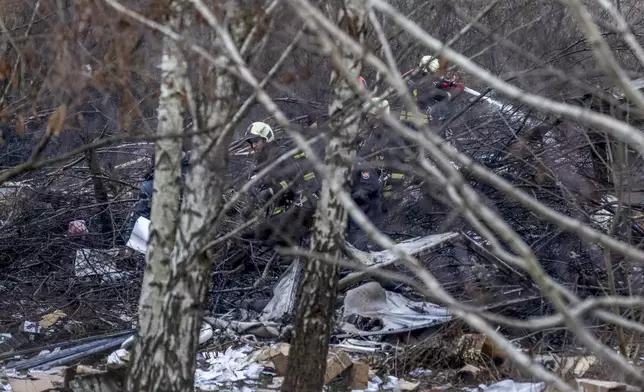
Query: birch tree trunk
178	273
318	289
151	355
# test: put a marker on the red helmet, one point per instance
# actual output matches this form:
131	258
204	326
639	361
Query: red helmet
363	82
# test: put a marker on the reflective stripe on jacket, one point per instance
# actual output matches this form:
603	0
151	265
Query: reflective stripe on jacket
409	116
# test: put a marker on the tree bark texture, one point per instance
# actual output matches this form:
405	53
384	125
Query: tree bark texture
318	288
159	360
100	191
178	273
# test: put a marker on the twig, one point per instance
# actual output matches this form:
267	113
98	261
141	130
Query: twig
31	164
266	270
604	54
236	289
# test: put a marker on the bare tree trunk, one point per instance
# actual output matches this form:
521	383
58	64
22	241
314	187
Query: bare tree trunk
100	191
178	272
318	289
157	362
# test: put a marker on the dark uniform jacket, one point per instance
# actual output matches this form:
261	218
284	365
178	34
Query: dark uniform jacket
423	89
388	152
299	185
366	194
295	177
366	189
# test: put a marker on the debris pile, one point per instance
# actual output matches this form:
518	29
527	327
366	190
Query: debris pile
383	341
262	366
71	276
387	337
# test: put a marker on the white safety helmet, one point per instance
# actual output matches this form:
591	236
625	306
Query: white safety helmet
379	105
429	64
260	129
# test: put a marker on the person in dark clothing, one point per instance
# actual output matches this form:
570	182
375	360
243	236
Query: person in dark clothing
389	154
448	90
432	92
143	206
366	194
295	177
292	188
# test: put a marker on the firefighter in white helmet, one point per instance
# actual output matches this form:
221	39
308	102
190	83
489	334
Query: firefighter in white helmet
422	88
294	179
258	135
431	90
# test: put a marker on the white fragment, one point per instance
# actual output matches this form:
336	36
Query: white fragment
205	334
140	235
513	386
224	368
30	327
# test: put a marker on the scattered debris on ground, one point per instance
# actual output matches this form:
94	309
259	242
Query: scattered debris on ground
388	337
463	362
